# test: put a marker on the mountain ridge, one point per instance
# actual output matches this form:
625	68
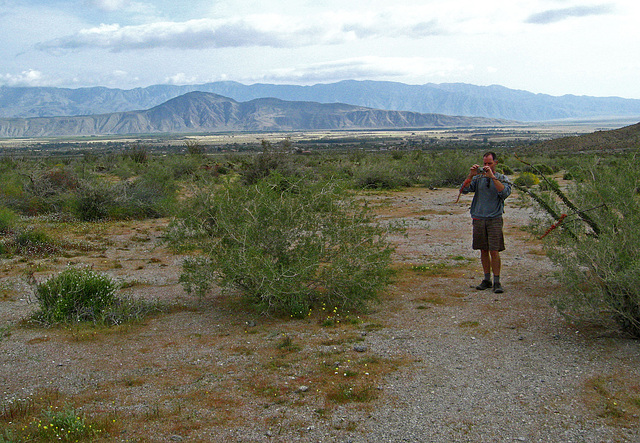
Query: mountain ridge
627	137
196	112
460	99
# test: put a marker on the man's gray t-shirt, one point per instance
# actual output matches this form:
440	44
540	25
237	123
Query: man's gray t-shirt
487	202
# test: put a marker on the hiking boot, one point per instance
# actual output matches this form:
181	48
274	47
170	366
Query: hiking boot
497	288
484	284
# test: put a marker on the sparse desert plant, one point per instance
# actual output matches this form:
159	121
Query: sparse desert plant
8	220
74	295
194	148
526	180
64	425
444	168
542	168
137	153
549	184
34	242
380	176
285	244
93	201
600	260
271	160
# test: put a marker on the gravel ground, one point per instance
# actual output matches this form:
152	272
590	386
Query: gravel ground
478	366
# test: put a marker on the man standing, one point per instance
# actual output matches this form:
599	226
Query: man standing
490	190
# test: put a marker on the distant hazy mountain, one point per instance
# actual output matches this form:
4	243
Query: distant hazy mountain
450	99
207	112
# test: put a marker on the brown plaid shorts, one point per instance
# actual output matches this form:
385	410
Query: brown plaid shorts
487	234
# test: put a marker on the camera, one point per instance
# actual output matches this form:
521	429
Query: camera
480	170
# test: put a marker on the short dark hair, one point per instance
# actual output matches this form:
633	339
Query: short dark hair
492	154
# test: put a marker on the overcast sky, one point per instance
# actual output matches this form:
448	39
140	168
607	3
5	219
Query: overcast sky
557	47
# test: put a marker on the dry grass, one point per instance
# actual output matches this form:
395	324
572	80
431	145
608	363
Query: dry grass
614	397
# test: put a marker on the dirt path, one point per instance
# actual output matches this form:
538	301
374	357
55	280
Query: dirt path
445	362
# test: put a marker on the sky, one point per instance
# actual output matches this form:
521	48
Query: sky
556	47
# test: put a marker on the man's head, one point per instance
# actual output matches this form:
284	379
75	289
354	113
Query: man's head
489	160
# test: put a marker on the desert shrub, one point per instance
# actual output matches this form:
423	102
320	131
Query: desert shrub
194	148
526	180
505	169
141	199
61	177
380	177
445	168
8	220
544	169
12	186
183	165
74	295
600	262
93	201
137	153
548	184
286	244
149	196
33	242
272	159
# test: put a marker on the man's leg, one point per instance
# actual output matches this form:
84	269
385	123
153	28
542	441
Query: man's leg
495	266
485	258
495	262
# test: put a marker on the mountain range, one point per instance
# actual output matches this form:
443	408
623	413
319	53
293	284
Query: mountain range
195	112
457	99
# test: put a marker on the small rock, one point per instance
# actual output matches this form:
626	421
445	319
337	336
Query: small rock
360	348
303	388
176	438
251	323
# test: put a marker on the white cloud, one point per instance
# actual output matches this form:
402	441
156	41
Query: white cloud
109	5
270	30
181	79
30	77
557	15
389	68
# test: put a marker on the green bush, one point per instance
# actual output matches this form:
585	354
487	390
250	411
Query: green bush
548	184
286	244
526	180
93	201
75	295
8	220
380	177
543	169
444	168
149	196
600	263
34	242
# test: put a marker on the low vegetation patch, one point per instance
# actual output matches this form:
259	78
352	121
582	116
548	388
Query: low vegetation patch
78	295
48	416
